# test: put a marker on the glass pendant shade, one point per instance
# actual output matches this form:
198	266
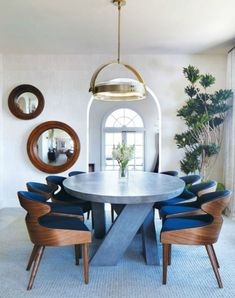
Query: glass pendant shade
119	88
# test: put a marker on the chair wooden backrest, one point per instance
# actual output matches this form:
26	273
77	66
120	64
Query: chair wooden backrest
211	203
203	188
35	209
42	189
41	235
219	201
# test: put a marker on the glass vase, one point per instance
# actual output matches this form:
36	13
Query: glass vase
123	173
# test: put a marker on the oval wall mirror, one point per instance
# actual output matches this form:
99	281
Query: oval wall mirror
26	102
53	147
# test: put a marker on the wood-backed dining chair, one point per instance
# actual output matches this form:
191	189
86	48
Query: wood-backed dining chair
201	229
170	173
194	191
189	207
62	196
191	179
75	173
62	199
46	229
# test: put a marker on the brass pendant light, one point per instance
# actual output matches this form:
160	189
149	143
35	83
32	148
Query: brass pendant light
121	88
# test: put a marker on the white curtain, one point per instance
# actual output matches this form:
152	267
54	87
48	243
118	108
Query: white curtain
229	137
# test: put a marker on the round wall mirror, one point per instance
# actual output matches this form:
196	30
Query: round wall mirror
26	102
53	147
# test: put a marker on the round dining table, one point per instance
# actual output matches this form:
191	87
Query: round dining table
133	199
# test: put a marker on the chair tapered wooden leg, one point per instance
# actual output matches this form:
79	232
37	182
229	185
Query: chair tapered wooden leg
112	213
92	220
77	249
217	262
214	265
159	214
85	263
32	257
35	266
169	254
165	248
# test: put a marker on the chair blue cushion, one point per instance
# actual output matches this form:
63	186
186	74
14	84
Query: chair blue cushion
65	209
33	196
62	222
186	195
191	179
63	196
201	186
75	173
179	223
208	197
170	173
57	180
67	198
40	186
176	209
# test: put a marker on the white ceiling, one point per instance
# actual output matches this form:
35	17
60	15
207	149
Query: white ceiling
89	26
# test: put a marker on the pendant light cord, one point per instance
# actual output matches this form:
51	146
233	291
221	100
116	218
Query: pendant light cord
119	31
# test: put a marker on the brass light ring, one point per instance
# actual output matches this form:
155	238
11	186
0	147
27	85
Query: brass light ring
96	73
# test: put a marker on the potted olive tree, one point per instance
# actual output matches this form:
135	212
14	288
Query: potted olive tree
204	114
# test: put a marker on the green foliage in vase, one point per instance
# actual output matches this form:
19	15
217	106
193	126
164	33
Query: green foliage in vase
204	114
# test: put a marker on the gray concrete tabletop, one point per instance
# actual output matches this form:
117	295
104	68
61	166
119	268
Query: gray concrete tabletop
139	187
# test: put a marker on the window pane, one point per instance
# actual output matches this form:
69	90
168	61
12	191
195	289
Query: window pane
109	168
139	168
139	162
129	113
118	113
138	121
110	121
139	138
130	138
109	162
117	138
108	152
138	151
130	123
108	138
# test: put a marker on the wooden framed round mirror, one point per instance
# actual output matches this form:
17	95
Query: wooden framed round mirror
53	147
26	102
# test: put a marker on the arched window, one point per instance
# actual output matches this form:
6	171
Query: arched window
124	126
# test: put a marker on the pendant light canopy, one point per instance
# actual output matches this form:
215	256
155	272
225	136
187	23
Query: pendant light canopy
119	88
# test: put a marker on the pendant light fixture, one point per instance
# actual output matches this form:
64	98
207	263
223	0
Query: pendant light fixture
119	88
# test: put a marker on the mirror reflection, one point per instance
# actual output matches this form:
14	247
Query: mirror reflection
55	147
27	102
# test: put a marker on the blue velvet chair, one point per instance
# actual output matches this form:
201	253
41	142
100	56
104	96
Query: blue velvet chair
55	181
201	229
170	173
191	207
57	209
47	229
191	179
61	198
75	173
191	193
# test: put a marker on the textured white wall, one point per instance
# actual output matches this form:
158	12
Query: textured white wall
1	136
147	109
64	82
